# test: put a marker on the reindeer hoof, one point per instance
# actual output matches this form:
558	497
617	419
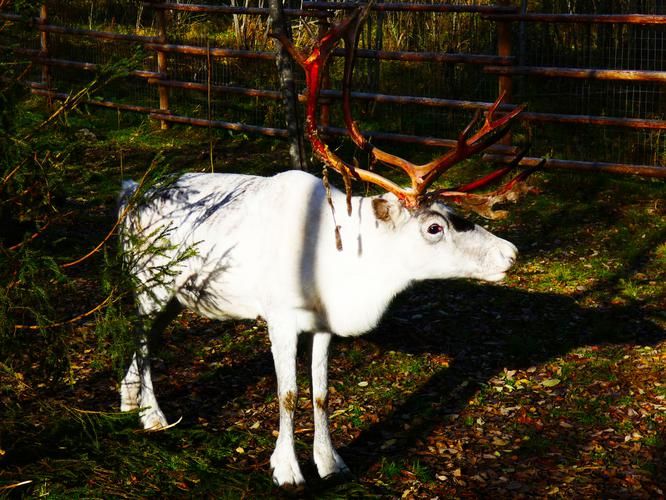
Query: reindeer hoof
286	472
154	420
288	484
331	465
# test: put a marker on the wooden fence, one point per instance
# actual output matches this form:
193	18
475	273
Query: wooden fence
507	65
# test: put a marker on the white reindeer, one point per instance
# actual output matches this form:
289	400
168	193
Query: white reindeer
274	248
265	247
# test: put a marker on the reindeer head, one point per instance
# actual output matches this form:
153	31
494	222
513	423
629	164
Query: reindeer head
473	139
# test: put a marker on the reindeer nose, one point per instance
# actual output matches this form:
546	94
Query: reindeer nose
503	256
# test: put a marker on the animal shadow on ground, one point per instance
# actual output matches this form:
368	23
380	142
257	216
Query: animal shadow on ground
484	330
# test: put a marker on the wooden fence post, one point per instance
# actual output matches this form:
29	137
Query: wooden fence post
162	65
44	51
504	49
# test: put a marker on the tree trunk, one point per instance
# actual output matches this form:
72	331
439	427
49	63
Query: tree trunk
288	87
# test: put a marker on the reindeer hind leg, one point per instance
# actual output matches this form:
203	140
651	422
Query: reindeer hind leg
136	388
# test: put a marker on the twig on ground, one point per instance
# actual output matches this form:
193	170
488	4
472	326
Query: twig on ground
99	306
160	429
15	485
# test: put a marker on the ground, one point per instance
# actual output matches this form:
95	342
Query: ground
550	384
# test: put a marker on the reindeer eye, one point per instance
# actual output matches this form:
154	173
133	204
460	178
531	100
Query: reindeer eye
435	229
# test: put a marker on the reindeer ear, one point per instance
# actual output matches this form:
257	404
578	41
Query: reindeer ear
387	211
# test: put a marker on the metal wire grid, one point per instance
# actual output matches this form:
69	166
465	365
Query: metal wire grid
617	47
610	46
652	7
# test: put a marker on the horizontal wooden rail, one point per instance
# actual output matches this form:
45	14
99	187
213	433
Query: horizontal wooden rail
614	168
106	35
37	89
332	131
443	57
361	53
8	16
415	7
218	89
642	19
235	126
327	93
212	51
433	102
312	8
634	123
228	9
66	30
322	9
160	114
604	121
500	149
580	73
35	55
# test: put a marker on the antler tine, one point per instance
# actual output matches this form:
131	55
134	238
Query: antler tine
483	204
497	174
462	136
491	131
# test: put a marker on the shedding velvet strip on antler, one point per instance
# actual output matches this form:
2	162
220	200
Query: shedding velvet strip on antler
470	141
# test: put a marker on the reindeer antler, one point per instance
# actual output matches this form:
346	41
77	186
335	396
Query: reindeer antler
421	176
484	204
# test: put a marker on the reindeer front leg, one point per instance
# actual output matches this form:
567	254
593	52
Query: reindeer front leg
326	458
285	467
